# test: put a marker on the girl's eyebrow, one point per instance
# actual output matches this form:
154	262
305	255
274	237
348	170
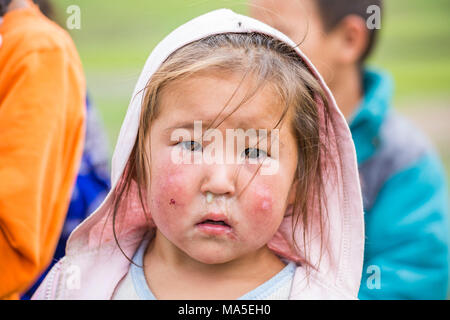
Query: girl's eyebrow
188	125
207	124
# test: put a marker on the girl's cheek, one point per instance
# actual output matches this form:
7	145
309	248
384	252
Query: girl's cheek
261	207
169	192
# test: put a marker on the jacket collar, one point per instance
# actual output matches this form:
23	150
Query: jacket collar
365	124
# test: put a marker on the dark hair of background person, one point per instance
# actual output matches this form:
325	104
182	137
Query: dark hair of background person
334	11
45	6
3	5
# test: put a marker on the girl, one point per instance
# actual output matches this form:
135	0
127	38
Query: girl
280	218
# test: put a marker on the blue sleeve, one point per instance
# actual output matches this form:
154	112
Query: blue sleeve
406	252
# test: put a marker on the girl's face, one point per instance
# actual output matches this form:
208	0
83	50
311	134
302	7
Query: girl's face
218	211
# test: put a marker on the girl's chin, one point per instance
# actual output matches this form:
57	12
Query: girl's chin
212	256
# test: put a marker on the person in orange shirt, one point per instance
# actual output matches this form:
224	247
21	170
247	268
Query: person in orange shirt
42	119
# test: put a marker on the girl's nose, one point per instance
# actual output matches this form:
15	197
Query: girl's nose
219	179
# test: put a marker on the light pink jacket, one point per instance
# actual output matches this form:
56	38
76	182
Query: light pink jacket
93	265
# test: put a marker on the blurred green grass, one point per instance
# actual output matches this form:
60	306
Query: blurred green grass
415	47
116	38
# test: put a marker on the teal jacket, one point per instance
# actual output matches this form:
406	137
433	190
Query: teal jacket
405	201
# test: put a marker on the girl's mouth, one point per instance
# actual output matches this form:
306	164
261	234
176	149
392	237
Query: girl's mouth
214	224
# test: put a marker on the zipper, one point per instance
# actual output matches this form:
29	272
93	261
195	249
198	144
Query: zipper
50	280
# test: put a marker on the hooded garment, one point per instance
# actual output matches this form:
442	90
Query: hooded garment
94	265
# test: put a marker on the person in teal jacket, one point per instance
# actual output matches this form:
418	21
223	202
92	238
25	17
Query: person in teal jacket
402	180
405	201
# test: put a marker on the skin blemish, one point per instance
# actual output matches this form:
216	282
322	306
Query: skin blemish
266	205
262	204
172	202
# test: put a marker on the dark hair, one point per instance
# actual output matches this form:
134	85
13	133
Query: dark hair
334	11
3	6
46	8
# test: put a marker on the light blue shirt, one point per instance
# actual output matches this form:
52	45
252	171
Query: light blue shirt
278	287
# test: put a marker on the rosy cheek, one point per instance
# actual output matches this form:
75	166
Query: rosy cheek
169	193
261	207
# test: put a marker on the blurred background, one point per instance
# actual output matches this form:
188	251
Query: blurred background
116	38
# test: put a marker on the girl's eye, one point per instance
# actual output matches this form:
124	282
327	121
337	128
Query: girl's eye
254	153
191	145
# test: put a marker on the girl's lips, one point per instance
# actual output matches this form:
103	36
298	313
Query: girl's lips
213	229
214	224
215	219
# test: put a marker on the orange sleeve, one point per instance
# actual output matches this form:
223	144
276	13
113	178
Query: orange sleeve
41	134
